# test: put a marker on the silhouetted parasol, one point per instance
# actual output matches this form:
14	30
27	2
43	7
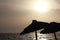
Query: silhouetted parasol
52	28
34	26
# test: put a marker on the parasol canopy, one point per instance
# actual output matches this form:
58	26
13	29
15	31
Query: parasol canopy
34	26
52	28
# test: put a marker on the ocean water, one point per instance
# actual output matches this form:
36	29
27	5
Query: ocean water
9	36
16	36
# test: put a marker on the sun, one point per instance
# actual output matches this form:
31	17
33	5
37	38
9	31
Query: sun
41	6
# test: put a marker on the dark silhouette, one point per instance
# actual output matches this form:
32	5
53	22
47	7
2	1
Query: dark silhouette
34	26
52	28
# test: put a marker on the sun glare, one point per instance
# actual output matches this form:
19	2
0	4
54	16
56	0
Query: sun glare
41	6
43	39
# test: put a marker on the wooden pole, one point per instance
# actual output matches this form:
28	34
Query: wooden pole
36	35
55	36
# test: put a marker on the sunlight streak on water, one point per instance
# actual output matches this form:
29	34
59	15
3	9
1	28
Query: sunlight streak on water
31	36
44	37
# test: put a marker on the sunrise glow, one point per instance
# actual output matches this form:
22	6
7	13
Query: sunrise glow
41	6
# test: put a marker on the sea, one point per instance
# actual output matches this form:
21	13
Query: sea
31	36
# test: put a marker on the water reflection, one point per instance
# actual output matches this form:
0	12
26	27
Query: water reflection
43	39
31	36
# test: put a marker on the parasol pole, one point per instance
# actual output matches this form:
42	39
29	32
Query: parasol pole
36	35
55	36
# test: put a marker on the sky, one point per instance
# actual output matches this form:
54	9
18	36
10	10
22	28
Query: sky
15	15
